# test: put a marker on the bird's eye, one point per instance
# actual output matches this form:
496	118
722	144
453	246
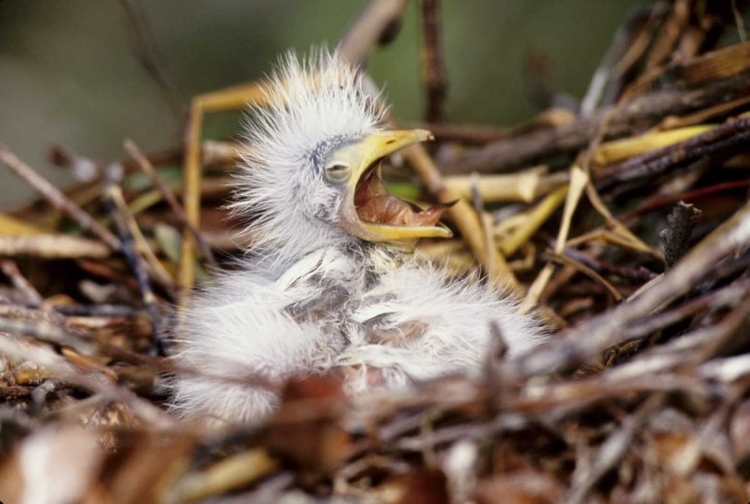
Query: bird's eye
338	172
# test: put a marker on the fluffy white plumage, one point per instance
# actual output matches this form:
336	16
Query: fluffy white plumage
299	119
313	297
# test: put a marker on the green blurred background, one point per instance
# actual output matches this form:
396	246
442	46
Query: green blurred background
69	75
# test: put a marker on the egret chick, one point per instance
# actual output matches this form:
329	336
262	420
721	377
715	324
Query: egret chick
330	281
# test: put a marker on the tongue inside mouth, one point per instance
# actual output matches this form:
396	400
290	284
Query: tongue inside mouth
375	205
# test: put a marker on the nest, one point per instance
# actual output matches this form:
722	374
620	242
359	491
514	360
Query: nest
629	234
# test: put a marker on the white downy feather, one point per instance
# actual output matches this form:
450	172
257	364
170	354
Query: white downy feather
312	297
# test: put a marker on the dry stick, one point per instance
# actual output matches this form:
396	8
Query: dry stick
466	134
153	266
481	135
377	24
585	343
739	21
526	186
637	275
136	262
631	217
147	168
44	325
585	159
636	115
464	217
33	298
191	196
622	44
52	246
486	223
725	296
676	238
582	268
668	34
51	361
578	181
727	138
98	310
611	451
432	62
735	327
57	198
227	99
591	191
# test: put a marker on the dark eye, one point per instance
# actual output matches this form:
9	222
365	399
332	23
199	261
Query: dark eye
338	172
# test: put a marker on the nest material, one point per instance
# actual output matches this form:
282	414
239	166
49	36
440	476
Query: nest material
640	397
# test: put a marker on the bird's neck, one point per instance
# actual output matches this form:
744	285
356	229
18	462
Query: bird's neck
401	247
375	257
379	258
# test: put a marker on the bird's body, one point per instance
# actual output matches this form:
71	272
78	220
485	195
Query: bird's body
326	288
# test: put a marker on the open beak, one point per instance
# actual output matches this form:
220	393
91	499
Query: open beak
371	213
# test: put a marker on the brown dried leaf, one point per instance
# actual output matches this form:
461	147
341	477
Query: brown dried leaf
306	429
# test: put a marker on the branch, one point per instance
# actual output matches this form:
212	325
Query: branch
638	115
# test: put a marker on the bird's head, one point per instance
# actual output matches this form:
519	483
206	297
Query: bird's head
312	177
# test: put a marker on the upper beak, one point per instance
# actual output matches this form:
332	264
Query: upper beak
384	143
368	151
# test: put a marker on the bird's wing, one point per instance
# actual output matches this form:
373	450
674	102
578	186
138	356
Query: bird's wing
416	321
246	326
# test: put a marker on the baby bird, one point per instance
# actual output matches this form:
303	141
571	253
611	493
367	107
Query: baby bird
330	281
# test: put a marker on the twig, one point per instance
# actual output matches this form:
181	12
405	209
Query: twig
153	266
33	298
44	325
650	206
632	29
587	341
432	62
191	195
668	34
465	218
98	310
722	140
636	275
636	115
378	23
135	261
144	164
676	237
578	181
56	197
582	268
466	134
610	452
524	186
486	225
727	296
536	217
739	21
48	246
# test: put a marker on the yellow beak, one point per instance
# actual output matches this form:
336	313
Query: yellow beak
361	156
